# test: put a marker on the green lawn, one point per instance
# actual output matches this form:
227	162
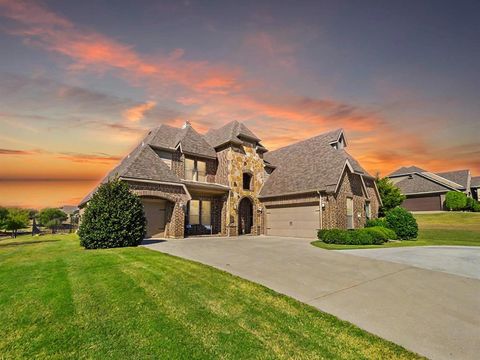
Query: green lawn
452	228
60	301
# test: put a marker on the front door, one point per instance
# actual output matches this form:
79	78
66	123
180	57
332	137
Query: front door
245	216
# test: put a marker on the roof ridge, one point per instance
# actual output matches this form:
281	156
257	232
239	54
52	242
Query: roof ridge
305	140
441	179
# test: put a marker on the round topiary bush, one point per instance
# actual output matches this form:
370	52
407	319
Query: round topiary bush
455	200
114	217
402	222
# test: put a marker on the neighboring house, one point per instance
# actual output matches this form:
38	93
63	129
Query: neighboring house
475	186
425	191
225	182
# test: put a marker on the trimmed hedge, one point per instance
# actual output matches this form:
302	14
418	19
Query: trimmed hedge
367	236
376	222
455	200
113	218
389	234
402	222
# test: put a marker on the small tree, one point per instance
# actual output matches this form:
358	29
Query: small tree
114	217
403	223
51	218
455	200
16	219
3	217
390	195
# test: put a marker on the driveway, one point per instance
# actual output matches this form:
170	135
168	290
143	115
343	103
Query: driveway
433	313
457	260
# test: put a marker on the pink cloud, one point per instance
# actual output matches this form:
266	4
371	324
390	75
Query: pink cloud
137	113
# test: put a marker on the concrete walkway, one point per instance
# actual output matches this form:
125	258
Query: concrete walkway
432	313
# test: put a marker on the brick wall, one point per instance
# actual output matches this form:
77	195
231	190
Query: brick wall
176	197
335	212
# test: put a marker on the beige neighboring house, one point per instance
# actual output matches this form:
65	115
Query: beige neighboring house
226	182
425	190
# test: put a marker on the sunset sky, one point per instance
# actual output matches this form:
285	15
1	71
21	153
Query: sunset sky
82	81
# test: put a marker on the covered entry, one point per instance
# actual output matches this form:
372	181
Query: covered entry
295	221
155	213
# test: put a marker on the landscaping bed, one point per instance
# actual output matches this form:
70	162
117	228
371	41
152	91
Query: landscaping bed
436	229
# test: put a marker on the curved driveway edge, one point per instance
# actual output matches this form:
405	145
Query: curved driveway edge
432	313
456	260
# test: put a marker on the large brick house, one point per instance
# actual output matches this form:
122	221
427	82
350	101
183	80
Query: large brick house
425	190
225	182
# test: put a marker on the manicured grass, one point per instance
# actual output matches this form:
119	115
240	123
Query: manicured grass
60	301
450	228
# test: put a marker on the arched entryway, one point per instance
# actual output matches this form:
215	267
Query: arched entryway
245	216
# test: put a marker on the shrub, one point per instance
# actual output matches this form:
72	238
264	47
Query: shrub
390	195
472	205
380	234
367	236
114	217
376	222
333	236
455	200
476	206
403	223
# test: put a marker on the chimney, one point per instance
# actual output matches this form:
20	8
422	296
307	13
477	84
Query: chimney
187	124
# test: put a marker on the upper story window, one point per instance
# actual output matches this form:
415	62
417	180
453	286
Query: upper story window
195	170
247	181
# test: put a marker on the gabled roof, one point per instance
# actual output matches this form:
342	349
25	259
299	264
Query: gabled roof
460	177
230	133
475	182
416	183
406	170
450	180
191	142
309	165
142	163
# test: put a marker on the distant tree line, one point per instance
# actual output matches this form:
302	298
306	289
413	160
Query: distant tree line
14	219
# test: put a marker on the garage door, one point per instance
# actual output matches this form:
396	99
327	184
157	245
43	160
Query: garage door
299	221
155	214
423	203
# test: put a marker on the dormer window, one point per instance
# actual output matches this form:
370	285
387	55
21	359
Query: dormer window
247	181
340	144
195	170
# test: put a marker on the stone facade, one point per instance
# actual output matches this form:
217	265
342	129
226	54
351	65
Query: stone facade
233	163
175	211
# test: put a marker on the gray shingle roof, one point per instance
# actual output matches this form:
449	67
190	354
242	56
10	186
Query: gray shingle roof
419	184
308	165
475	182
405	170
230	132
460	177
142	163
191	141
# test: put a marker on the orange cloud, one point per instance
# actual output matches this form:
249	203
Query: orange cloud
90	50
137	112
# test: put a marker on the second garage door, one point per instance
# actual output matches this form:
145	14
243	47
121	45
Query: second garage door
299	221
